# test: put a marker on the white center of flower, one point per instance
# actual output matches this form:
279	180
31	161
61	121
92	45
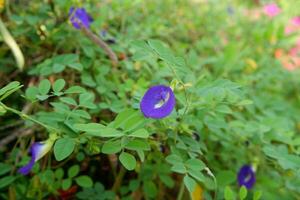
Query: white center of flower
162	101
248	177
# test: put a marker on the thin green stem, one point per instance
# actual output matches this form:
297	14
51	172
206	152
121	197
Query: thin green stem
181	191
25	116
118	180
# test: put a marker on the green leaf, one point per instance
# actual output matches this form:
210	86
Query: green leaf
4	168
123	117
77	66
245	102
243	193
197	175
150	189
59	173
257	195
167	180
141	155
137	145
31	92
134	122
225	177
87	100
66	184
228	193
224	109
42	97
174	159
44	86
68	100
73	171
179	168
140	133
66	59
7	180
8	87
75	90
57	67
195	164
189	183
63	147
81	114
103	132
58	85
127	160
90	127
84	181
111	147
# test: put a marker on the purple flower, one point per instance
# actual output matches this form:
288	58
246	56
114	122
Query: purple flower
37	150
79	14
158	102
246	176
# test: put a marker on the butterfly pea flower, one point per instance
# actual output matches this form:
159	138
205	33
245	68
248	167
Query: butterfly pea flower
158	102
271	9
246	176
80	15
37	151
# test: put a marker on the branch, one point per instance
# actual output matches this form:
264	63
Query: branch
18	133
112	56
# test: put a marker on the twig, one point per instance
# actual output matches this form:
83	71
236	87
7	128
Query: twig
118	180
112	56
12	125
18	133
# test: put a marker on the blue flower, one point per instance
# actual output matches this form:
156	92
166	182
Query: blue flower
37	150
80	15
158	102
246	176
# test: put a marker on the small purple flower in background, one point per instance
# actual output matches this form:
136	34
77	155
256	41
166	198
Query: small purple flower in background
246	176
80	14
158	102
37	150
271	9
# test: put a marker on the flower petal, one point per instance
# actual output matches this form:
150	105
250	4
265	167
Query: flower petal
246	176
37	150
80	14
158	102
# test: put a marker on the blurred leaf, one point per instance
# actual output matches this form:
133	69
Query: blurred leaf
4	168
140	133
228	193
63	147
189	183
243	193
58	85
111	147
84	181
7	180
127	160
66	184
44	86
73	171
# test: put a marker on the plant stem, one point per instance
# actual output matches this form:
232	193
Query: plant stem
118	180
25	116
181	191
